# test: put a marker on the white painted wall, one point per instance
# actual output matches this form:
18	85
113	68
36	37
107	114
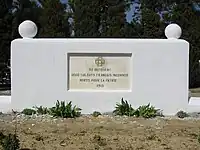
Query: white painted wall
159	73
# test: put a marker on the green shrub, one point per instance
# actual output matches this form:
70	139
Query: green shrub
41	110
9	142
123	109
182	114
28	111
96	114
65	110
146	111
2	136
198	138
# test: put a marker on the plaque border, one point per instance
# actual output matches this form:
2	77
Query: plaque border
93	54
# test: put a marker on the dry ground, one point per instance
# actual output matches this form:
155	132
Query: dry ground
107	133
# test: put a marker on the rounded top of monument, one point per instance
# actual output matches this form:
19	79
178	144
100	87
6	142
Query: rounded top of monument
173	31
27	29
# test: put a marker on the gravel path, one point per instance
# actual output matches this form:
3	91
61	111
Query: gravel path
47	118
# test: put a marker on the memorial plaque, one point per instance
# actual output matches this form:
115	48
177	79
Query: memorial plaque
100	72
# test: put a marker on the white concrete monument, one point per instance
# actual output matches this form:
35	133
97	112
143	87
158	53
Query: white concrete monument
96	73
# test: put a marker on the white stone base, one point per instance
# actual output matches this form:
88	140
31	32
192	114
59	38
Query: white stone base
5	104
194	101
194	104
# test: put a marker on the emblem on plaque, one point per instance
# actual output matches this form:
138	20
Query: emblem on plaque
100	61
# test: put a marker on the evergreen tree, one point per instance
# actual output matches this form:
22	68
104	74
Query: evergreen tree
5	30
53	19
99	18
151	24
87	18
189	20
113	18
23	10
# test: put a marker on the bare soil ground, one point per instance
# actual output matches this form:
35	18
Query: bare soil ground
106	133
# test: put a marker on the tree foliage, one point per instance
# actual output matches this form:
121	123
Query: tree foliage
5	30
53	19
189	20
100	18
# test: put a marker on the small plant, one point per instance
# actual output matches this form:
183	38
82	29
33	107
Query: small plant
146	111
182	114
28	111
124	109
41	110
65	110
99	140
96	114
2	136
10	142
198	138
